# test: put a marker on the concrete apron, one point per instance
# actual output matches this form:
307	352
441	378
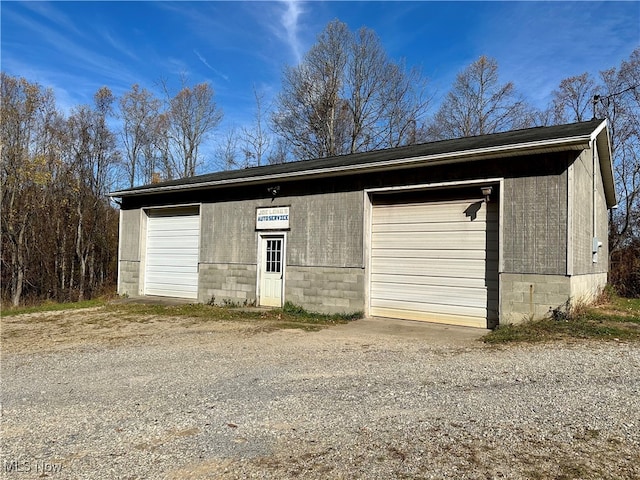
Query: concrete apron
431	333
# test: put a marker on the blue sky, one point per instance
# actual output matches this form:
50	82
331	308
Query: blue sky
77	47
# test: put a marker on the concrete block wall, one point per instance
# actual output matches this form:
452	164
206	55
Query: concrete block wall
526	296
129	279
325	289
587	288
231	282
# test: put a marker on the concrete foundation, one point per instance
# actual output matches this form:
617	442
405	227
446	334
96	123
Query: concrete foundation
220	283
129	278
532	296
326	289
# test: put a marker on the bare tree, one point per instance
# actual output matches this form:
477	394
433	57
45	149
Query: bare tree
280	152
618	100
24	106
193	115
256	138
573	99
227	151
58	229
479	104
139	111
157	152
405	105
347	96
91	145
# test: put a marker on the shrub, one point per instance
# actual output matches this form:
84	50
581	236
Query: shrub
624	271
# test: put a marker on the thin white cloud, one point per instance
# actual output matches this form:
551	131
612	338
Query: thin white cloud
71	47
52	15
119	46
290	19
176	66
206	64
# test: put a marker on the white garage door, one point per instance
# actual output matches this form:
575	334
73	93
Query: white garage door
435	261
172	254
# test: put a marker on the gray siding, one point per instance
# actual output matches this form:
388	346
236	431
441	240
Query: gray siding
535	224
324	241
583	218
129	261
326	230
228	232
130	235
324	261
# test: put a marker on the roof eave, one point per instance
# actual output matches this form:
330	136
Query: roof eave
580	142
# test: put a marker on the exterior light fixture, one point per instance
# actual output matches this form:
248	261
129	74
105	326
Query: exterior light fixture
274	190
486	191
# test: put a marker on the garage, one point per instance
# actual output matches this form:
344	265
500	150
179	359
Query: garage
411	232
171	267
435	259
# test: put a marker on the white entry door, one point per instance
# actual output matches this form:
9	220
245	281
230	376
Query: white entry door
271	270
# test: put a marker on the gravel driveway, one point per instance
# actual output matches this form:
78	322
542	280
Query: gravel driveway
353	401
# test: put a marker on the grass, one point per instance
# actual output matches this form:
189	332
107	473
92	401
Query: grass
290	316
52	307
616	319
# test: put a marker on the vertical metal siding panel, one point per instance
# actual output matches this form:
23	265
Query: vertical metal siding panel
529	227
541	212
229	234
602	226
130	235
562	223
582	218
327	230
535	224
508	223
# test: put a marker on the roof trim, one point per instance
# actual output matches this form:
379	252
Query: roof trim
578	142
603	144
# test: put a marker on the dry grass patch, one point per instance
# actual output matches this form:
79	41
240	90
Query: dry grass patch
115	324
615	319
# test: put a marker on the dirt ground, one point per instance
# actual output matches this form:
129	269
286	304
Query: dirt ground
100	326
70	329
107	394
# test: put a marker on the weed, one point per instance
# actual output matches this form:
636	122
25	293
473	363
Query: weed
619	320
298	311
290	316
227	302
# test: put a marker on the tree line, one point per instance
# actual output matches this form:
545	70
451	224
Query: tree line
59	228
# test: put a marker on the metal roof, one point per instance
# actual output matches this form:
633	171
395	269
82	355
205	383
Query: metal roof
575	136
